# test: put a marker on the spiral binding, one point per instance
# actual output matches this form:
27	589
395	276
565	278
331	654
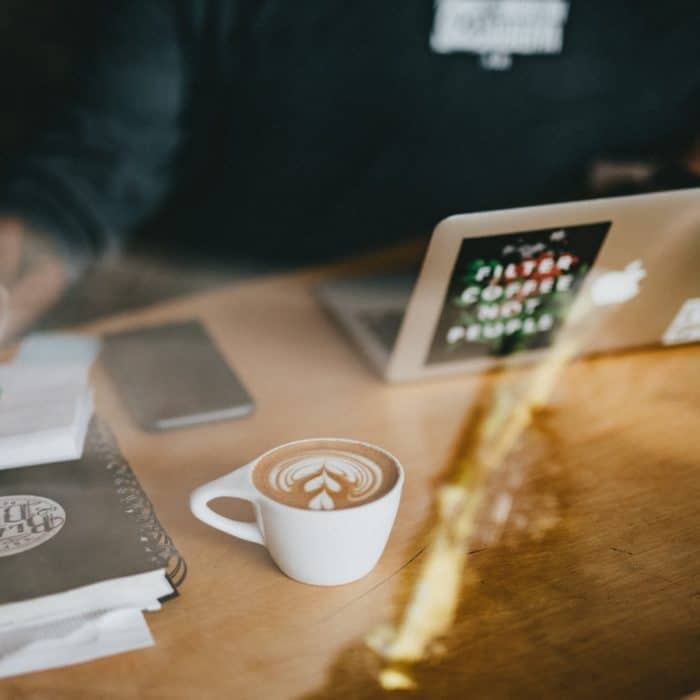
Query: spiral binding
156	541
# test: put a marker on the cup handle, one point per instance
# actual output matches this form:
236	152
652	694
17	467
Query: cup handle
234	485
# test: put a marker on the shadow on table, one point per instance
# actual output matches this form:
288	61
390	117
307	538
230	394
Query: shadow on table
135	281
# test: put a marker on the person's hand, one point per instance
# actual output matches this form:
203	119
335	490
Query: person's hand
32	277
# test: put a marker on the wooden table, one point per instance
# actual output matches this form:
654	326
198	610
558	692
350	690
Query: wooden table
604	603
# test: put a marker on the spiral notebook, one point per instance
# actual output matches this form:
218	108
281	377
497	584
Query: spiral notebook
81	535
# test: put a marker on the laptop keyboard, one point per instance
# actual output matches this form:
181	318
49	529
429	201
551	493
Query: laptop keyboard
383	325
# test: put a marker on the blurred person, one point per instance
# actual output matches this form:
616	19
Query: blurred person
305	131
33	274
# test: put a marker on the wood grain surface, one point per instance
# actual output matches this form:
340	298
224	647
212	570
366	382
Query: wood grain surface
591	591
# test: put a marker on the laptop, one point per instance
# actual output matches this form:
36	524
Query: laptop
496	286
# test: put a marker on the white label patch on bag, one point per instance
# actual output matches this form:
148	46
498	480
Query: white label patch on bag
497	29
685	327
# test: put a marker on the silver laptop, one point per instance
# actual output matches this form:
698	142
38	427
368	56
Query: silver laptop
496	286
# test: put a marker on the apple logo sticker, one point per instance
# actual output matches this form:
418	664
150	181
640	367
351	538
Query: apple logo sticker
618	286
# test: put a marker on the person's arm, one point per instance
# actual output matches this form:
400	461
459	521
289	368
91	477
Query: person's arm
33	273
103	164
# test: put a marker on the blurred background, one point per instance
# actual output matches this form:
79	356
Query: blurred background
40	44
400	167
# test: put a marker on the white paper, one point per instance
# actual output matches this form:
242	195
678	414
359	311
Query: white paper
72	640
22	383
42	432
45	400
57	349
137	591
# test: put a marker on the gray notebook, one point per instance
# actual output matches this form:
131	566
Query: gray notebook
68	529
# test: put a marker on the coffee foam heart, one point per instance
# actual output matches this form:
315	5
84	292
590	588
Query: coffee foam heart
325	476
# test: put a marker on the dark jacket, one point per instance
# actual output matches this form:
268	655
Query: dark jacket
299	130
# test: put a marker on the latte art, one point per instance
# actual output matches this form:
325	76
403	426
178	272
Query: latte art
327	475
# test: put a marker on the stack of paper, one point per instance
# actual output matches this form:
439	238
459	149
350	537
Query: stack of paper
82	554
46	400
72	640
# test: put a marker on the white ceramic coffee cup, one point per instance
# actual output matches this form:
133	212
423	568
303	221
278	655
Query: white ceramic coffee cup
320	547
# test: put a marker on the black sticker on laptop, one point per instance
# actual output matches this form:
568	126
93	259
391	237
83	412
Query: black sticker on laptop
509	293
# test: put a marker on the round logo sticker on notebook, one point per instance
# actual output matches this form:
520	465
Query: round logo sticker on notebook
27	522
